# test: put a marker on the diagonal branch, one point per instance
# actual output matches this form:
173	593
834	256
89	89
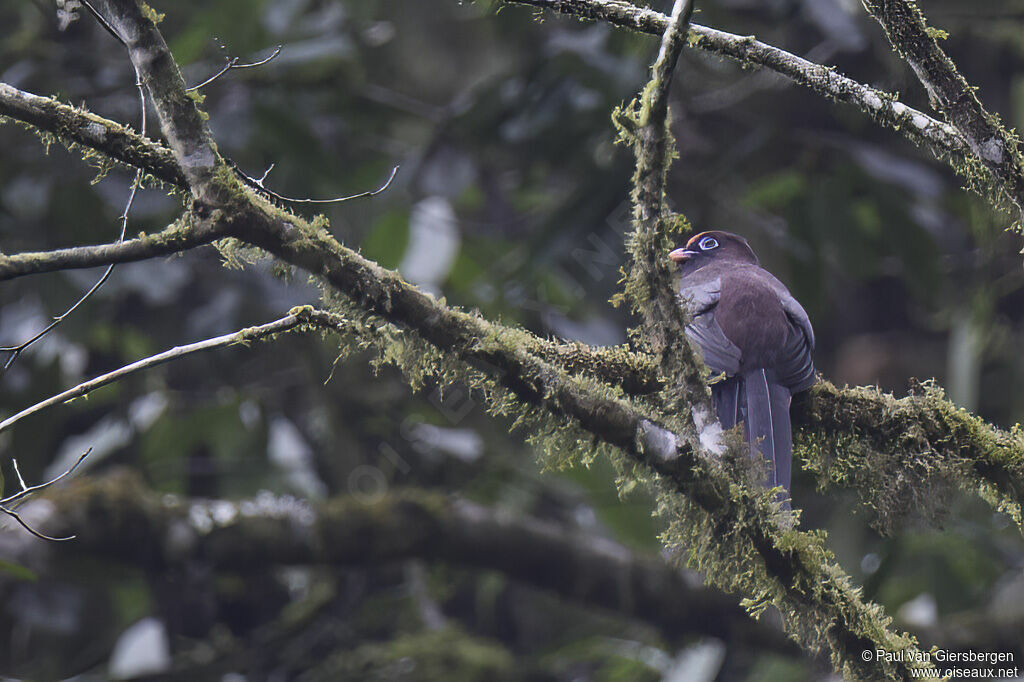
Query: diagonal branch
286	323
733	532
73	125
180	121
950	94
944	140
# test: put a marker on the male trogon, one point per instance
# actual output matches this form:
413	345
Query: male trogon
753	331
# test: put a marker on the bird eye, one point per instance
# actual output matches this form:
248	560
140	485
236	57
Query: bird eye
708	243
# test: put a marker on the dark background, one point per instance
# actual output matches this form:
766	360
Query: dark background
501	125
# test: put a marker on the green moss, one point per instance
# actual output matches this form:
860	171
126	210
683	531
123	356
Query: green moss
906	457
151	14
445	654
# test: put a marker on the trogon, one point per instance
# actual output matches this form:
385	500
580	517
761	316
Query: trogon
756	339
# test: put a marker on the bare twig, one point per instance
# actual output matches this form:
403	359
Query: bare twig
25	491
24	524
233	64
21	481
16	350
257	184
287	322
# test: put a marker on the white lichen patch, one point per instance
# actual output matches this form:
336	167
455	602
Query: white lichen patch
992	150
873	101
709	430
207	515
268	505
96	131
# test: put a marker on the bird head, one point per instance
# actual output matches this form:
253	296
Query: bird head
713	246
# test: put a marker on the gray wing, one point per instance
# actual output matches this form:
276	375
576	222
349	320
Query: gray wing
795	366
700	297
798	315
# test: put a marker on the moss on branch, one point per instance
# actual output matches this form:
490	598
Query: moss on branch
967	146
996	165
118	518
730	531
905	456
99	140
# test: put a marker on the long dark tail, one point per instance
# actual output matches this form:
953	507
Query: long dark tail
768	426
727	396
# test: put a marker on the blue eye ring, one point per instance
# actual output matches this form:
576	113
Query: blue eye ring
708	243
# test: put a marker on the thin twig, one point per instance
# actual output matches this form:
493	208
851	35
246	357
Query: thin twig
258	185
24	524
104	23
21	481
17	350
233	64
28	490
251	333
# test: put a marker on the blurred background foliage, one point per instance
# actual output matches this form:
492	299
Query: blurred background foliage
512	199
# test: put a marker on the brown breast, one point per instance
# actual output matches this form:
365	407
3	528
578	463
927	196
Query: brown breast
751	316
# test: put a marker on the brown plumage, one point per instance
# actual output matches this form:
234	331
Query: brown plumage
752	330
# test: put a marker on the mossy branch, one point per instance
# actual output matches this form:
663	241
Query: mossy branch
947	142
119	518
732	532
996	149
76	126
905	456
649	286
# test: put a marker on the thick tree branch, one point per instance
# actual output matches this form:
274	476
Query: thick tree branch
901	453
73	125
944	140
174	239
186	132
738	540
649	284
119	519
950	94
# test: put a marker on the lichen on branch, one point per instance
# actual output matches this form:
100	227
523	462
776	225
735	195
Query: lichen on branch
996	165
